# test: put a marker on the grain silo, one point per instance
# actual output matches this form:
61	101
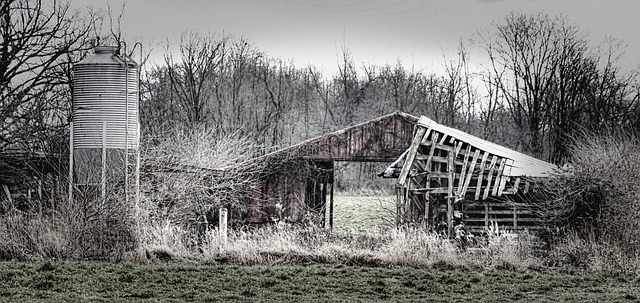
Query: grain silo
104	140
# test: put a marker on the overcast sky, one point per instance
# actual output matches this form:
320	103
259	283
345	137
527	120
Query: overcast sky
375	31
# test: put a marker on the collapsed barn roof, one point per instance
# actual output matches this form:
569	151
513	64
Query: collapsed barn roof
446	170
517	164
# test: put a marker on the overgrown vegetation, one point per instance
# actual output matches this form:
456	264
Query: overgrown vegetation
593	205
590	207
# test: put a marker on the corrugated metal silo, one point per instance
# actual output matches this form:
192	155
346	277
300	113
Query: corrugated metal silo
104	130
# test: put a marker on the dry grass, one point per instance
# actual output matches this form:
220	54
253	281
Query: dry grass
85	229
288	245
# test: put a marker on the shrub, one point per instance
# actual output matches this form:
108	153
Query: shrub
594	203
83	229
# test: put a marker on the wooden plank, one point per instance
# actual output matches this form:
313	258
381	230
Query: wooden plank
450	196
407	200
324	203
489	177
516	185
503	184
463	170
425	137
481	204
442	147
477	229
431	152
469	173
433	190
457	150
408	163
424	157
426	204
399	202
497	212
480	175
526	187
331	206
440	174
444	137
505	219
496	186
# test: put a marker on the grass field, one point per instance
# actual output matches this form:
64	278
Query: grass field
293	264
363	213
197	282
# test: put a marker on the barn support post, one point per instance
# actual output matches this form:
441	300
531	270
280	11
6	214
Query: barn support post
399	202
426	202
450	196
331	206
408	202
323	198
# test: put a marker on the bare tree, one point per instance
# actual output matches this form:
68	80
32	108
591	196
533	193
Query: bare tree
553	84
461	96
350	89
525	52
192	76
39	40
160	111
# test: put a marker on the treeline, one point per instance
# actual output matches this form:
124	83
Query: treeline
230	86
542	83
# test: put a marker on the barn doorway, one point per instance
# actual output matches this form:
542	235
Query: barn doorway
361	200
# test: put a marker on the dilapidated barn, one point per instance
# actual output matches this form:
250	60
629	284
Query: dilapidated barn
299	179
26	177
448	174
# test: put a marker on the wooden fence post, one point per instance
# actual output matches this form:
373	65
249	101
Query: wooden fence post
222	229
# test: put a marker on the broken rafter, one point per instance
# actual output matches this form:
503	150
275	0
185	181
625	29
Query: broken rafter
503	184
444	137
497	186
415	144
431	152
463	171
480	175
461	193
490	177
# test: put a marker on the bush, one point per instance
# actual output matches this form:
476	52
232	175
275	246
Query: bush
593	205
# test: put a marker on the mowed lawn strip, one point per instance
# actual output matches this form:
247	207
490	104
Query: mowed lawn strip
195	282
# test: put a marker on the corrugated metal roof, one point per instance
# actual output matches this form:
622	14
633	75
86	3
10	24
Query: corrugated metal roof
518	164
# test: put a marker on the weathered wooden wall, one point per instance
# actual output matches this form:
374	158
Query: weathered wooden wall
300	178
